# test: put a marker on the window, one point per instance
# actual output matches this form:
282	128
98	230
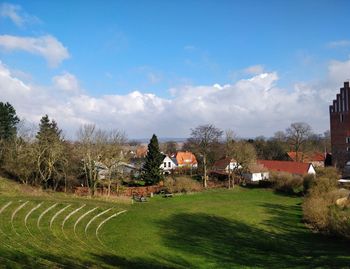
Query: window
169	164
348	149
348	140
164	164
341	117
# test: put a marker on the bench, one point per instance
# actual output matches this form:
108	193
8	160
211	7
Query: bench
139	199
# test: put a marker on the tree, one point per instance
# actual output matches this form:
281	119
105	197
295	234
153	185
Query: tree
50	153
245	155
19	161
8	121
151	171
297	134
203	140
111	155
169	147
229	146
89	150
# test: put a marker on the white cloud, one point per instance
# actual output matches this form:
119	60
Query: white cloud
339	71
66	82
338	43
252	107
16	14
46	46
254	70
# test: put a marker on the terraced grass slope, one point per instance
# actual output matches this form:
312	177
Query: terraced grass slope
215	229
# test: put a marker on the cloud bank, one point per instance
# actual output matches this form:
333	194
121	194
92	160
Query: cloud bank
252	107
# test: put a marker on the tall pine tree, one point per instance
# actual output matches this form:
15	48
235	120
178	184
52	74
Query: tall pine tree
48	131
8	121
152	172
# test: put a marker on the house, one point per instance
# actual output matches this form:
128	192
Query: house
296	168
121	168
257	172
168	165
186	159
316	158
339	113
224	166
180	160
141	151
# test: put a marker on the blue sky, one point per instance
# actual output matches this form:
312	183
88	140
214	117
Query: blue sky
161	47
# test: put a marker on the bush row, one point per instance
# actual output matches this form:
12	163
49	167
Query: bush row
182	184
326	208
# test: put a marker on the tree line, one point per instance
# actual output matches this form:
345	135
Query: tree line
41	155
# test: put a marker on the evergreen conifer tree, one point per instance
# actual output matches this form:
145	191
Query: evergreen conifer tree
152	172
8	121
48	131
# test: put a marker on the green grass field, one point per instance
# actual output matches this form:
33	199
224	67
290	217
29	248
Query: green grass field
240	228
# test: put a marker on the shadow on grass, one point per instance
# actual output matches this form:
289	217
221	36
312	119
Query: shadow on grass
123	263
15	259
222	243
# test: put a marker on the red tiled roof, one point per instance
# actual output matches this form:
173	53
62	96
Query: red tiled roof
141	151
186	158
285	166
307	157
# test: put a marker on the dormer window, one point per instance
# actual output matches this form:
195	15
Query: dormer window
341	117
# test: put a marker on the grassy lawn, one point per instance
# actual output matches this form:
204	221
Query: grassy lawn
240	228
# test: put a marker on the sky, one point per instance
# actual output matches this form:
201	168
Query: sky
165	67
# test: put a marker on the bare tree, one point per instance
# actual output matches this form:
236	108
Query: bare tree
98	149
112	155
229	149
297	134
18	155
203	140
169	147
245	155
89	150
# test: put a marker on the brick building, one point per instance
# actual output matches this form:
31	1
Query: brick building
340	126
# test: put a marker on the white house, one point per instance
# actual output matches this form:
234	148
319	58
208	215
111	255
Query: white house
168	165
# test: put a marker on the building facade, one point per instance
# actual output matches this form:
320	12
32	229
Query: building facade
339	113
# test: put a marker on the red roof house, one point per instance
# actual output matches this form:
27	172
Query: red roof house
186	158
316	158
297	168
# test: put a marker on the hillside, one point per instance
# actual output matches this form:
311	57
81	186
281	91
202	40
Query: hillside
250	228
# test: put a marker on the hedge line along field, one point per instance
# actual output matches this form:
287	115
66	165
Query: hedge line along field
249	228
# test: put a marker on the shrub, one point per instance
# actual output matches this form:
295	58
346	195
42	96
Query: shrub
169	183
182	184
285	182
308	182
339	221
327	172
315	212
320	210
322	186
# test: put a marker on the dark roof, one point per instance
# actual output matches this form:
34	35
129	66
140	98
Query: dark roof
223	163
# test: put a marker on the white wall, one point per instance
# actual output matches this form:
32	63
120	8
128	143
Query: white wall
311	170
168	164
